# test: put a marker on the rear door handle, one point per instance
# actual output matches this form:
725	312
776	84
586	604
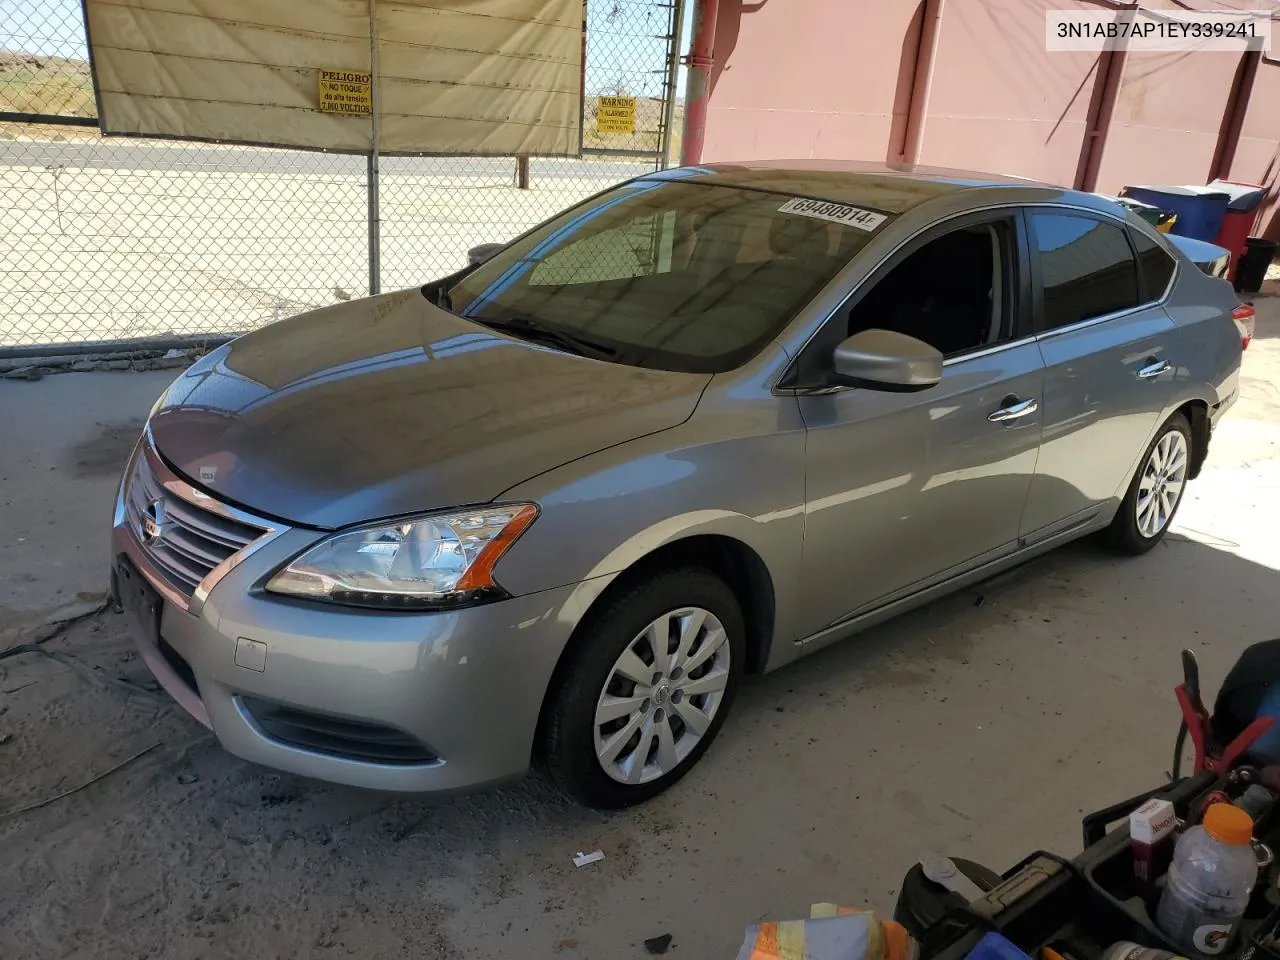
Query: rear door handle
1014	411
1152	370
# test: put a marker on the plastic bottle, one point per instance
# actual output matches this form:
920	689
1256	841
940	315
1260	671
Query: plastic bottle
1127	950
1213	871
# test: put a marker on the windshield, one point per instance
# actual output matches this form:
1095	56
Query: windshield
667	274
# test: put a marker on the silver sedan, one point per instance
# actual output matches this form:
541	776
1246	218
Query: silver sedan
557	504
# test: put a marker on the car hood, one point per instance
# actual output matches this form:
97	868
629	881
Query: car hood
391	406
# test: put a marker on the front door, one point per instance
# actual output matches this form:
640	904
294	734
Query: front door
905	489
1108	374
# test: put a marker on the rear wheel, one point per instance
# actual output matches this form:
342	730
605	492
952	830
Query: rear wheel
645	689
1156	491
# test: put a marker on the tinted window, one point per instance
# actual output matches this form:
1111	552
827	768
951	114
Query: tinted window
1155	265
1086	267
952	292
669	274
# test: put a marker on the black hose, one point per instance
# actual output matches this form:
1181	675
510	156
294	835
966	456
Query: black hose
1179	742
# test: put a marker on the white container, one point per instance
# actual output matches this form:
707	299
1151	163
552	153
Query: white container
1213	872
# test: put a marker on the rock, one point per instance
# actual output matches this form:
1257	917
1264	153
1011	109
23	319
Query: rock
658	945
187	777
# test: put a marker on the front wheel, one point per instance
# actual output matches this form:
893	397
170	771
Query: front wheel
1156	491
645	688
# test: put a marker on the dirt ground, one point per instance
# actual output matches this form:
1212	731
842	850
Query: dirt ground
980	726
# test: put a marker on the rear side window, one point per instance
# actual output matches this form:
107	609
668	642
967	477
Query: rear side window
1086	268
1155	266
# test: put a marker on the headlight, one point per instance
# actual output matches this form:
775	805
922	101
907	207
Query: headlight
415	564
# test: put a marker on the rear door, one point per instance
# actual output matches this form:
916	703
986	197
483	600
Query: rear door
1105	339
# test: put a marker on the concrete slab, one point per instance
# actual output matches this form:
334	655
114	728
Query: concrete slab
64	440
983	726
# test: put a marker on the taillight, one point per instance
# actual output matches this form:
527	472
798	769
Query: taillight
1243	316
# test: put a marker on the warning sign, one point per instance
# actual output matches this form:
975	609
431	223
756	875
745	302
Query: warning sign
615	114
346	91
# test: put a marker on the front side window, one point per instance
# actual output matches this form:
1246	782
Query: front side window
953	292
669	274
1086	268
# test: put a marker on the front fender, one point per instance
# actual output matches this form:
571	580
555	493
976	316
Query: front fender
603	514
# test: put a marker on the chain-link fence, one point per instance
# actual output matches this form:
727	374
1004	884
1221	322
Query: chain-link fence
111	239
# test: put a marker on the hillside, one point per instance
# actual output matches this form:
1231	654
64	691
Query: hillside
30	83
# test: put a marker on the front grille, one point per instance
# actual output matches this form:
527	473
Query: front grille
192	540
349	739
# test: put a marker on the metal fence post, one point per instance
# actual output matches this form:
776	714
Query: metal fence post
372	185
375	226
673	75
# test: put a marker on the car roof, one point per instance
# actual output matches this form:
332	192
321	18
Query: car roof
889	187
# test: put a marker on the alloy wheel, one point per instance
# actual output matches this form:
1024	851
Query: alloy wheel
661	695
1163	477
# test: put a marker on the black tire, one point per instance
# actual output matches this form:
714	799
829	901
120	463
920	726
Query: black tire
568	739
1123	535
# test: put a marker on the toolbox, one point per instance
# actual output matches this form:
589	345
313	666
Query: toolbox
1079	907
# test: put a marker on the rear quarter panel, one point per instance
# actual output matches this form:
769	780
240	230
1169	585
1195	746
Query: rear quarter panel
1208	366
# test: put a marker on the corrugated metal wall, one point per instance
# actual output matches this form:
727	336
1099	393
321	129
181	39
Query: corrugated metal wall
1257	158
835	79
1168	114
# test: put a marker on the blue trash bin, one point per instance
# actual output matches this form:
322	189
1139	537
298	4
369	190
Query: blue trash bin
1199	209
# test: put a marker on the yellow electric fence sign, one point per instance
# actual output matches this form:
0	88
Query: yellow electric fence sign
615	114
346	91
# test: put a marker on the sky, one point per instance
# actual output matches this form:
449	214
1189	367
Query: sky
623	49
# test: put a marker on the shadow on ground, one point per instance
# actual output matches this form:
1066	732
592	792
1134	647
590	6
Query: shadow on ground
983	725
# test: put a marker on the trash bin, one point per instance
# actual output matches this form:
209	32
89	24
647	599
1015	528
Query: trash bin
1162	220
1258	254
1238	221
1199	209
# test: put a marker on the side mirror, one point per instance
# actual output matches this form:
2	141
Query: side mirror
485	251
884	360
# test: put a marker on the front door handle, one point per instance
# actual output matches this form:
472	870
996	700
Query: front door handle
1152	370
1014	410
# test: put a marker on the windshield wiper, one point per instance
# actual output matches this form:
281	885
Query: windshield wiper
533	328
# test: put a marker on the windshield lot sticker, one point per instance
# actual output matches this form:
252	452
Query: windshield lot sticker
835	212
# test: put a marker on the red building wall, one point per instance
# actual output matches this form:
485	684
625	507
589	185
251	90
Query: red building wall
1257	156
809	78
837	79
1168	115
1000	103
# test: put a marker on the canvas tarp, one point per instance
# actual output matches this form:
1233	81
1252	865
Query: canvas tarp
470	77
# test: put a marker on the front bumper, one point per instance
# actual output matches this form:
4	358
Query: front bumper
465	685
